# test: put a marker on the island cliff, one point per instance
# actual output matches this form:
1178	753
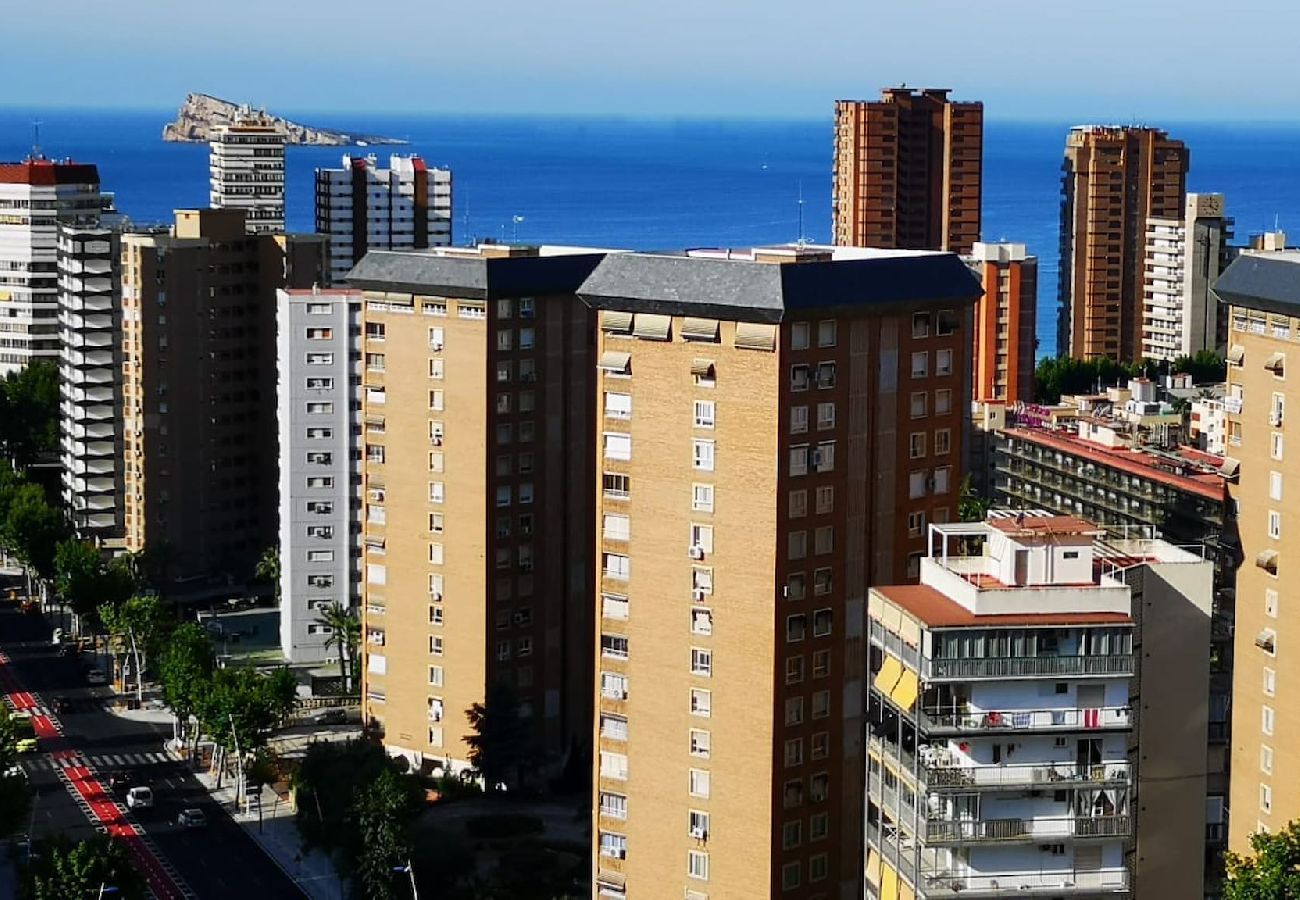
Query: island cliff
200	113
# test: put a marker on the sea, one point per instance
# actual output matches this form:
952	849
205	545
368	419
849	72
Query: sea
656	184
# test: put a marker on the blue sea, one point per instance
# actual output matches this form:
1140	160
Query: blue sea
658	183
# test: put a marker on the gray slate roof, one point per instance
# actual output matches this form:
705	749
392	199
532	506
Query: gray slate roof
769	292
473	278
1268	282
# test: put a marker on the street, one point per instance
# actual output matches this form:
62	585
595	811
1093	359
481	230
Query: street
218	861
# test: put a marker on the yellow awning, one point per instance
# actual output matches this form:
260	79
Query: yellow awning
873	867
905	891
888	675
888	883
904	694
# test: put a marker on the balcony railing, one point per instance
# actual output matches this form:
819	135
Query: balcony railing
1022	884
1026	667
1025	720
1026	830
1056	775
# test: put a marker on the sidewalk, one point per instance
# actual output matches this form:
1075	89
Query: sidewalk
276	834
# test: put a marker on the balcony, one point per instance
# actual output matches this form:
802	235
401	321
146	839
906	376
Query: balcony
1026	667
1041	830
1024	720
1027	884
1054	775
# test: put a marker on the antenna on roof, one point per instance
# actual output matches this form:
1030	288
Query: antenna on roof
801	242
36	139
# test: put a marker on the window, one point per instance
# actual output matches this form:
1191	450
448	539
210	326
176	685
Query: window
793	752
817	787
914	565
435	676
1276	446
526	307
436	400
618	406
436	492
825	416
916	445
821	664
1266	759
798	419
320	408
701	662
799	332
375	362
704	413
613	606
920	364
701	536
1266	720
613	765
613	686
702	498
613	727
943	362
826	333
702	455
825	499
916	484
1270	682
915	524
800	378
697	824
320	507
797	542
618	446
505	339
1275	486
820	745
919	404
799	459
796	628
790	876
701	621
796	586
613	845
701	702
697	864
822	622
698	783
1274	524
818	826
435	339
920	325
702	579
320	359
699	743
798	504
320	459
375	453
825	375
824	539
320	556
321	384
376	574
613	646
793	669
942	441
615	486
821	704
942	402
946	322
320	309
613	806
504	495
617	566
1265	798
942	478
320	531
527	338
320	482
818	867
617	527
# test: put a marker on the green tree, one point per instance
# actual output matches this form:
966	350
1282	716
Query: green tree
1066	375
29	412
1205	365
15	798
383	809
139	626
972	507
268	569
64	870
344	634
326	783
238	709
185	667
1272	872
33	529
280	692
500	746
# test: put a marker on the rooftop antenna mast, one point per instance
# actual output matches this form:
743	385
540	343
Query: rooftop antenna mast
36	139
801	240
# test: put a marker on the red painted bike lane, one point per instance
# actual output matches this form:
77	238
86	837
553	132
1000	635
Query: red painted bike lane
85	785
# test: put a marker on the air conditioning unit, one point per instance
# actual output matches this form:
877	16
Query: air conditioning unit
436	346
436	440
698	595
696	551
435	596
699	834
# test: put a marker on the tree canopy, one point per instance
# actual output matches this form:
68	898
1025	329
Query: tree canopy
63	869
32	527
1272	872
15	797
29	412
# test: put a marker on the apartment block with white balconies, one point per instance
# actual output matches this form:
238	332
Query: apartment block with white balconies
246	165
1006	710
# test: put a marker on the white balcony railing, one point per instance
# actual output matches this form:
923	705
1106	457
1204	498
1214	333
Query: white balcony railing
1023	884
1026	719
1037	829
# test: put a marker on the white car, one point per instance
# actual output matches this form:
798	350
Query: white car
96	677
139	798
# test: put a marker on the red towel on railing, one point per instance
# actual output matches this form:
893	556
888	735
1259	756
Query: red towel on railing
1092	718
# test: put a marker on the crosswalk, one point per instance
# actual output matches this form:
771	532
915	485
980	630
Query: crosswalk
100	761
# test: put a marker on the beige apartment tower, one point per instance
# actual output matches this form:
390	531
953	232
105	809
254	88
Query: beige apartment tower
774	430
1263	293
907	171
199	385
477	380
1115	178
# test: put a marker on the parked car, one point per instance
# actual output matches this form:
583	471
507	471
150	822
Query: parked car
16	771
25	732
330	716
192	818
62	705
31	606
96	676
139	798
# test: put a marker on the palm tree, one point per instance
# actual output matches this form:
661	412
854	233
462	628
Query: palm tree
345	634
268	569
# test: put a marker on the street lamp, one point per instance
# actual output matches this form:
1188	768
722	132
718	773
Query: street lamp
105	888
409	870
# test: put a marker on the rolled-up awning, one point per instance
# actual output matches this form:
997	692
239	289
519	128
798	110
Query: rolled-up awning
1267	559
702	368
1275	362
652	327
755	336
696	329
1230	467
616	322
613	361
1236	354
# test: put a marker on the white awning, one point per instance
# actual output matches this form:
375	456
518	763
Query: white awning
702	368
1267	559
1230	467
1236	354
615	321
612	361
755	336
652	327
694	329
1275	362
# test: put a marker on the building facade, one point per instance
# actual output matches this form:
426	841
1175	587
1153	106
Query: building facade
36	196
1181	314
198	382
1264	293
363	207
774	430
1020	712
476	394
246	168
319	346
1005	322
1115	179
90	378
907	171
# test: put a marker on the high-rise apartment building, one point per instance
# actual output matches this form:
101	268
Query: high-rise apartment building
1181	315
198	386
90	378
319	342
36	195
363	207
1115	179
246	165
774	431
908	171
479	479
1263	291
1005	319
1035	725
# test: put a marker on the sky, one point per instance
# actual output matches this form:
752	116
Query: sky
1119	60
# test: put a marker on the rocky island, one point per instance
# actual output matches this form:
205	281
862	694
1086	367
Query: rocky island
200	113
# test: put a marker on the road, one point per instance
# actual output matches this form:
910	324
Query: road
219	861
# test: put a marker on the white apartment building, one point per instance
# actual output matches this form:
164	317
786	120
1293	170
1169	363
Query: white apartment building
1007	701
35	196
319	413
90	377
246	165
1183	257
362	207
1209	423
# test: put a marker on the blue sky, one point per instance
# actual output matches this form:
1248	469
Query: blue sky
1043	59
